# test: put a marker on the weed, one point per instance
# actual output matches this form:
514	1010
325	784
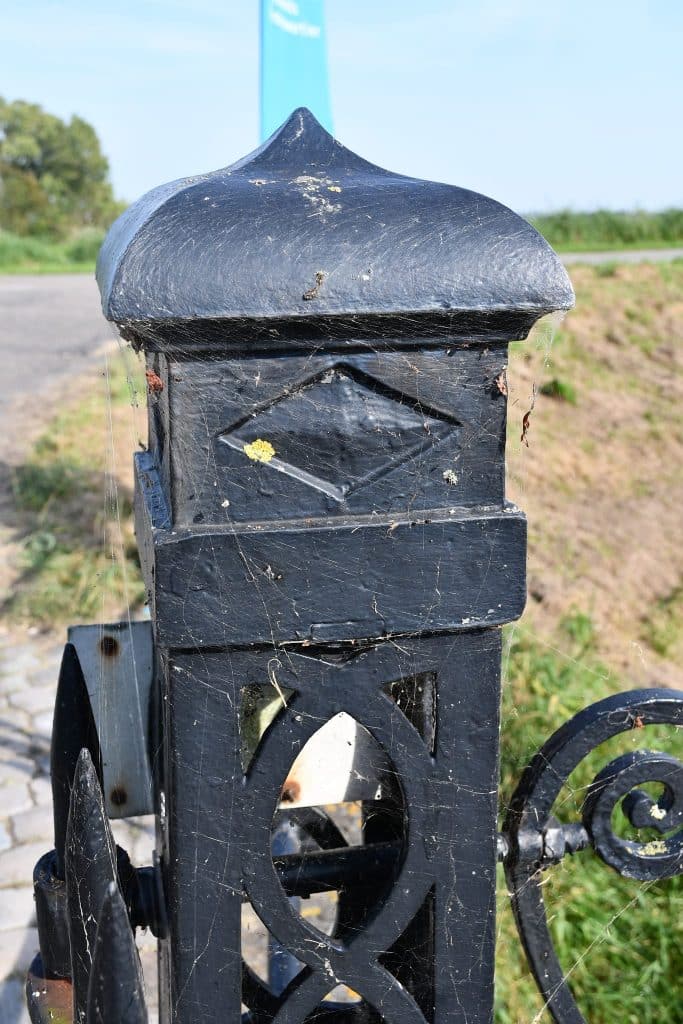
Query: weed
36	484
85	246
663	626
558	388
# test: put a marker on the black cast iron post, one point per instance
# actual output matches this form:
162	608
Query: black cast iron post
321	517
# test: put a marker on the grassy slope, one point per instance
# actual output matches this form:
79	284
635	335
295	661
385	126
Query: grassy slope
601	480
602	485
73	498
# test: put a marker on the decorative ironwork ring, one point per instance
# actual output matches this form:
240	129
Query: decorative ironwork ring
529	827
617	782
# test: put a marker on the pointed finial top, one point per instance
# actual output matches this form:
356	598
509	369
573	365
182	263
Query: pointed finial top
300	142
303	227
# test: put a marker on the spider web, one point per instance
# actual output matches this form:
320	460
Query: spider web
619	940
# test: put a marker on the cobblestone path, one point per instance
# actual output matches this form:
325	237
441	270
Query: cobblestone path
28	681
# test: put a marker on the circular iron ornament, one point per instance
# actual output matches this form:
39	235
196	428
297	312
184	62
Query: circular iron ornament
530	817
660	857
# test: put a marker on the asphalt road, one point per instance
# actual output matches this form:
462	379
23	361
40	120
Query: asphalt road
636	256
51	327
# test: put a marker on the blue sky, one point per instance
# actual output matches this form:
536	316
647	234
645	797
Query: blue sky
539	103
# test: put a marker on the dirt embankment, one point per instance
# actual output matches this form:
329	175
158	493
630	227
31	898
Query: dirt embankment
602	477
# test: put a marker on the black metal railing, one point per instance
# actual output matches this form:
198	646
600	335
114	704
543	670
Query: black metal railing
90	917
90	898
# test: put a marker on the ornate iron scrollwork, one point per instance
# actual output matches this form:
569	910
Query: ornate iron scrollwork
535	840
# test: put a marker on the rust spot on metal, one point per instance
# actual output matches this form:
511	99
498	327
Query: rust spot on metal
154	382
50	1000
291	791
109	646
118	796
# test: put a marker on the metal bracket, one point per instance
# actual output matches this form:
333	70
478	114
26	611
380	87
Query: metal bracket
117	661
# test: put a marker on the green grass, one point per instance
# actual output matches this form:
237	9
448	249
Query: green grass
621	940
611	229
78	559
20	255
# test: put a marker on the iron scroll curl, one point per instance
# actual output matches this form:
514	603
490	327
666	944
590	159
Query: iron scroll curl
536	841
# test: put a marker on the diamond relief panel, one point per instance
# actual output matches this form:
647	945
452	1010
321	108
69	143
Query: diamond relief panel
338	432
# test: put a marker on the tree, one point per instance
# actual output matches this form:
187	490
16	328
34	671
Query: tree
54	177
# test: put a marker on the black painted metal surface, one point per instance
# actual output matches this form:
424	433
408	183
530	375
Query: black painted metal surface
304	228
321	513
90	869
73	729
115	990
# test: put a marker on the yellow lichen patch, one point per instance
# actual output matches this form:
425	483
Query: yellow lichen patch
259	450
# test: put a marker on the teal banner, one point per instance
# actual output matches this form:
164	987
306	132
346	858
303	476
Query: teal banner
293	62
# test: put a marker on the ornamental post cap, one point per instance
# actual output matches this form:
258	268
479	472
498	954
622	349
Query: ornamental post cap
303	228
